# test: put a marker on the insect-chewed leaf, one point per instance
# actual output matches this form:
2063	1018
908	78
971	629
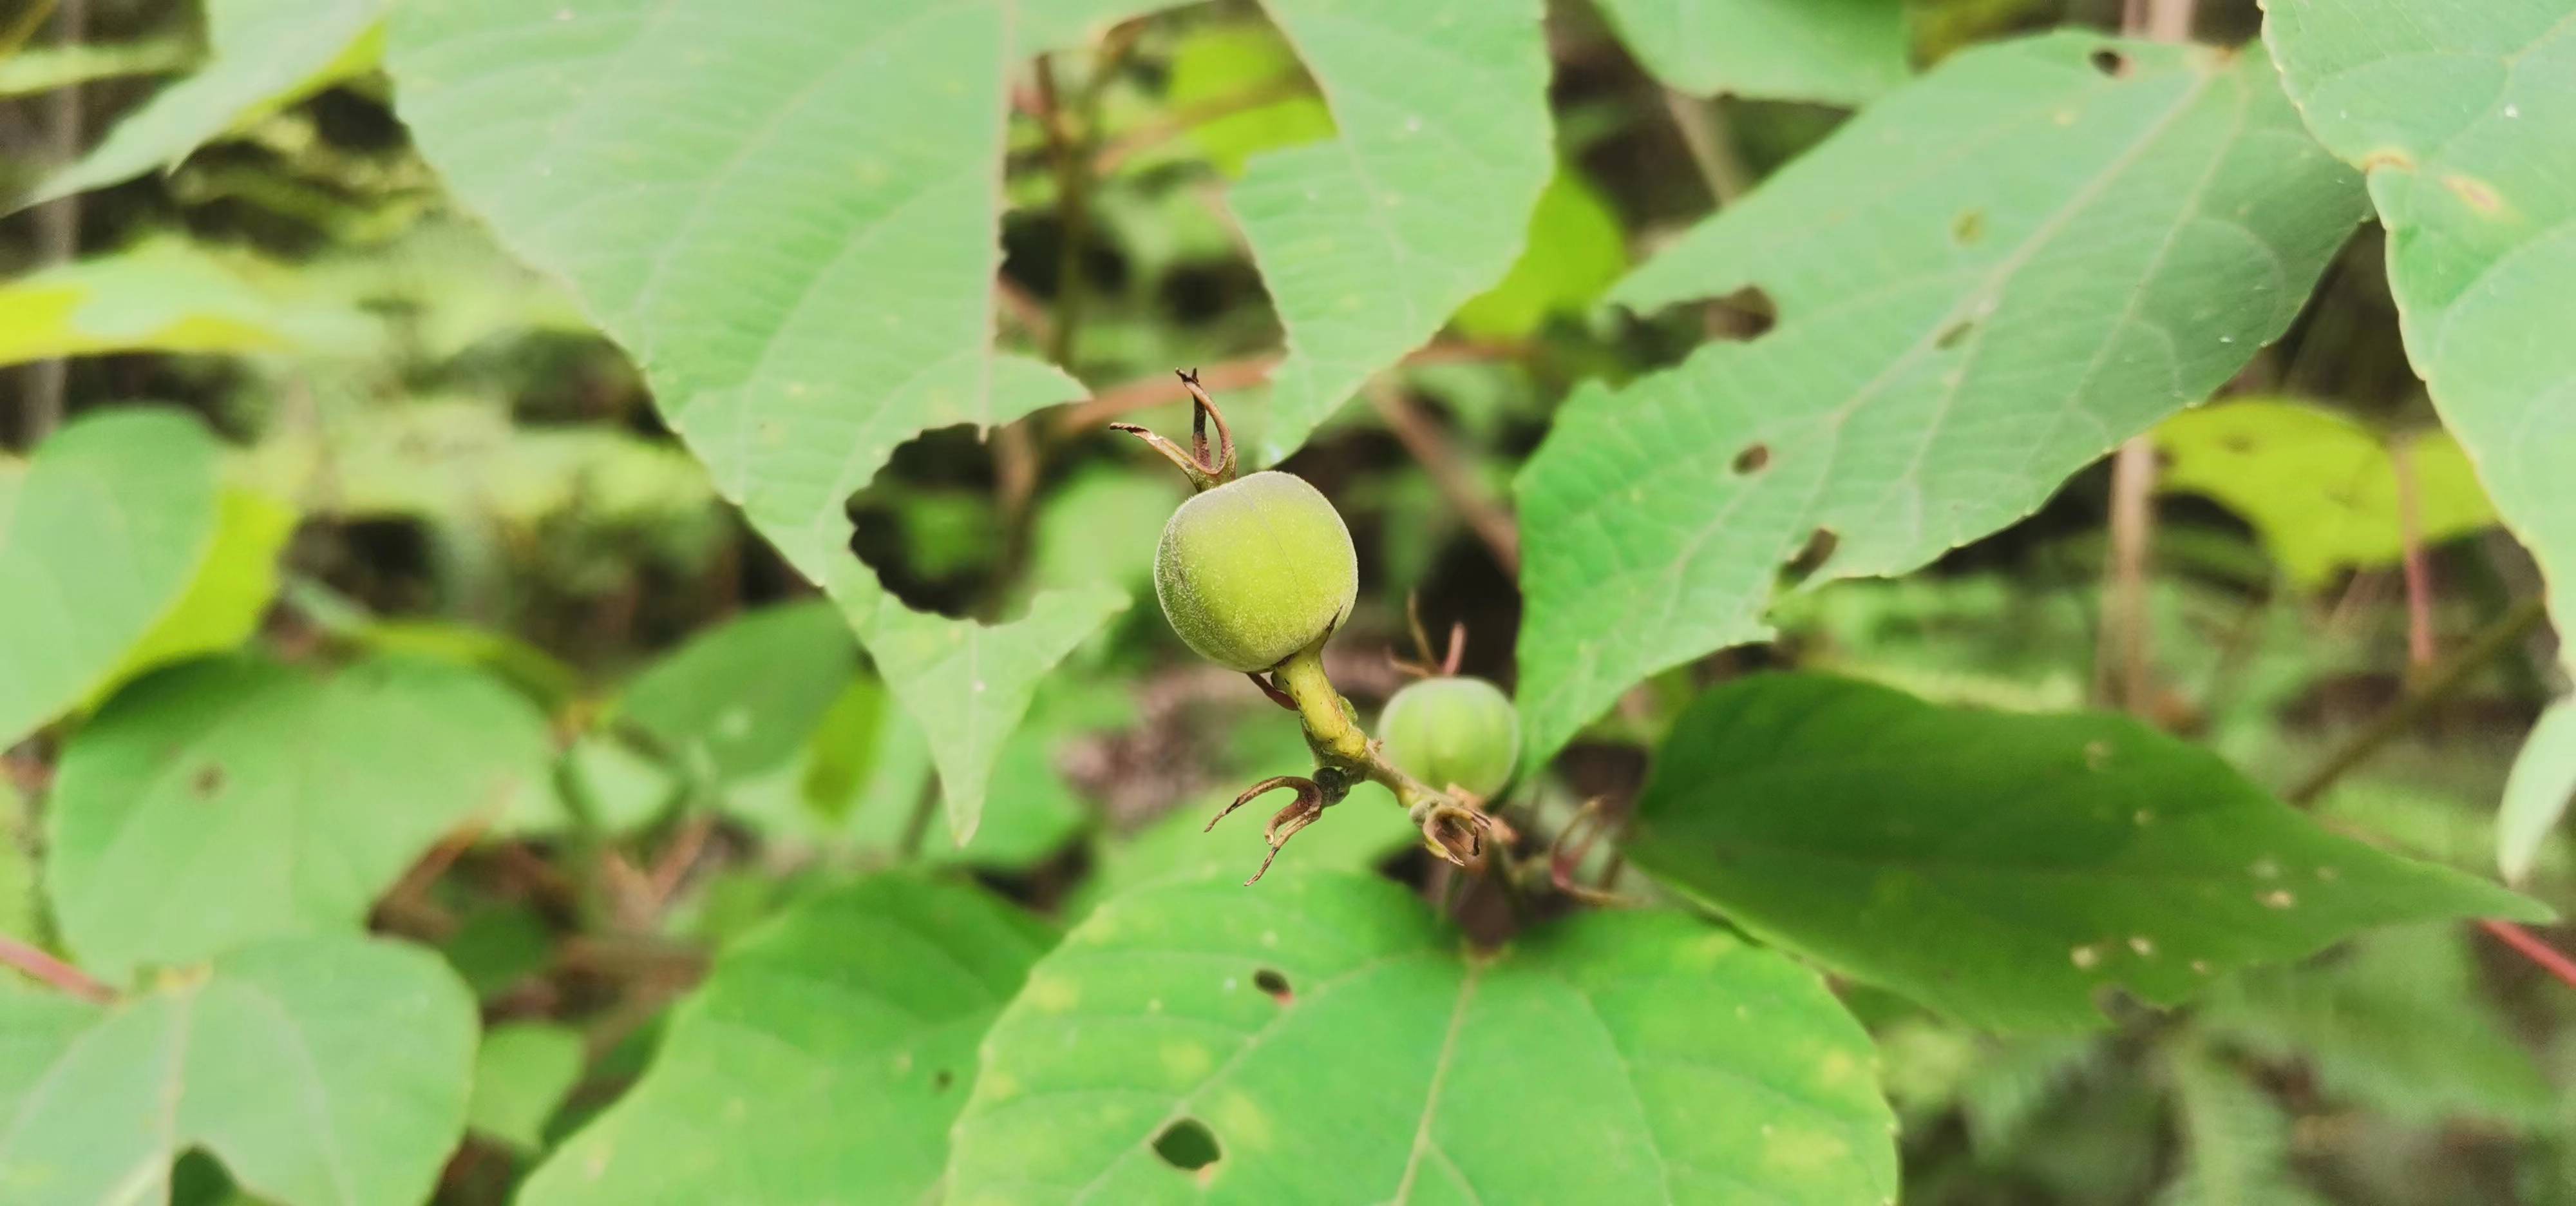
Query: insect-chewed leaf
1327	1040
1983	283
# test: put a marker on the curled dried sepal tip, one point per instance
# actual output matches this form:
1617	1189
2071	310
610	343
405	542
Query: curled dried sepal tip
1313	797
1445	667
1452	830
1206	469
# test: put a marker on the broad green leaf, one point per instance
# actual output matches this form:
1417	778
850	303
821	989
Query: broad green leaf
32	69
1574	253
739	698
160	295
522	1073
448	461
2005	869
233	798
1836	51
1369	241
99	536
1337	1043
1217	64
319	1071
1983	283
2538	792
805	282
222	606
967	684
2460	112
2320	489
264	55
2399	1024
822	1061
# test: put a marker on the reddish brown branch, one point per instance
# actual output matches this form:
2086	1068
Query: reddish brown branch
2532	948
1450	475
52	971
1189	117
2418	567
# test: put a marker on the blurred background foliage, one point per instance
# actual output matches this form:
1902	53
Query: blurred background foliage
428	454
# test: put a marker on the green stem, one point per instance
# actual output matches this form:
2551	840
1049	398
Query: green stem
1335	736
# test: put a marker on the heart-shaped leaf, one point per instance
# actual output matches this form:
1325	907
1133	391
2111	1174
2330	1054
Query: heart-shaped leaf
322	1071
99	536
805	277
233	799
1323	1038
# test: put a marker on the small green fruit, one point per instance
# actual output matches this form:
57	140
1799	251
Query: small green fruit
1255	570
1453	731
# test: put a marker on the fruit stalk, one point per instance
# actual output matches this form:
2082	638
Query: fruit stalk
1454	830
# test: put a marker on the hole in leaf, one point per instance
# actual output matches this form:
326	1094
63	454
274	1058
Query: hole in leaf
1813	555
1187	1145
928	525
208	781
2110	62
1270	980
1956	335
1968	227
1752	459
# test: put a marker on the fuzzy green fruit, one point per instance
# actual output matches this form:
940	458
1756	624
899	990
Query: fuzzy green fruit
1255	570
1453	731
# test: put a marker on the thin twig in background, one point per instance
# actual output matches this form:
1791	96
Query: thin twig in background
57	223
681	855
49	970
1117	151
2162	20
916	828
1072	125
1024	309
1450	475
2418	567
1711	144
2120	661
2531	947
2432	688
2121	657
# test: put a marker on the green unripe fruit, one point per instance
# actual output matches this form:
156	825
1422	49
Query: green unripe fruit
1255	570
1453	731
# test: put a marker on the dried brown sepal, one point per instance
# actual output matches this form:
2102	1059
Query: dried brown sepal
1207	469
1565	855
1453	830
1304	787
1283	826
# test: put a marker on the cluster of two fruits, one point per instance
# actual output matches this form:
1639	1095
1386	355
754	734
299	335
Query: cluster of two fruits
1255	573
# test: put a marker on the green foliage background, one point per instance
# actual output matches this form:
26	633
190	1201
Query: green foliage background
571	629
